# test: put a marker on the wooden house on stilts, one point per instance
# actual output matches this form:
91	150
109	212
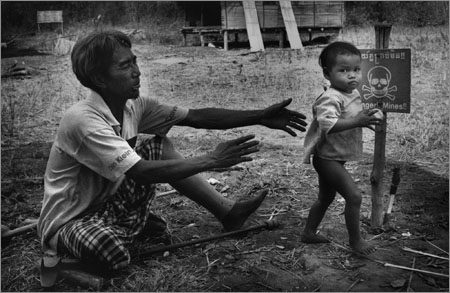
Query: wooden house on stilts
292	21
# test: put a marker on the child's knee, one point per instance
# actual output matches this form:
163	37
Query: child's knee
354	199
326	196
325	201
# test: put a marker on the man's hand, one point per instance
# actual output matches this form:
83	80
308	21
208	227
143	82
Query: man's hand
278	117
233	152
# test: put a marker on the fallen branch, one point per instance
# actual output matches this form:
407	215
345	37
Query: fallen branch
318	288
408	289
269	225
266	286
415	270
437	247
259	250
15	180
375	237
424	253
19	72
392	265
354	284
166	193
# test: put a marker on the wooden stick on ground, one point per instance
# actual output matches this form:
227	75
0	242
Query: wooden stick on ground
20	230
437	247
391	265
424	253
354	284
408	289
415	270
167	193
269	225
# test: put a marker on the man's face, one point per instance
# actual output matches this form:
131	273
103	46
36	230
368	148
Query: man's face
121	81
346	74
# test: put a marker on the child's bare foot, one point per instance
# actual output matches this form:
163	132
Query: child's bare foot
313	238
241	210
362	247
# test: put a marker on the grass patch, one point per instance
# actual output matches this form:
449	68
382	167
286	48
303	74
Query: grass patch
32	108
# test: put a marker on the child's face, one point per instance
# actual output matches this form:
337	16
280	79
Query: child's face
346	74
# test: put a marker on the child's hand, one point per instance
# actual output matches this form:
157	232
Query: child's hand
366	118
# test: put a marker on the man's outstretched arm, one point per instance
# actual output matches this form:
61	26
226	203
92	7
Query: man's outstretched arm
226	154
276	116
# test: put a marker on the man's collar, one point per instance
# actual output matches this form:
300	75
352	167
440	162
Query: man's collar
99	103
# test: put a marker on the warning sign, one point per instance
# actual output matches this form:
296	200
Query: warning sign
386	79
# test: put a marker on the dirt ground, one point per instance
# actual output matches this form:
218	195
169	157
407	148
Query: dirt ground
263	260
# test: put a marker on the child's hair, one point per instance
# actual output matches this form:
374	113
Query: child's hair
327	58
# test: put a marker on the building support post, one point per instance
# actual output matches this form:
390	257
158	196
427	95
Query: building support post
225	40
202	40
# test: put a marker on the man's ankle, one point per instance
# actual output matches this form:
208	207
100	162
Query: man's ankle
241	210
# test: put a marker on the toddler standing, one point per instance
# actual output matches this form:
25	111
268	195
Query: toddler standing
335	137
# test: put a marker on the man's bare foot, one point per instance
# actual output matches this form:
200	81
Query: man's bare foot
313	238
362	247
155	226
241	210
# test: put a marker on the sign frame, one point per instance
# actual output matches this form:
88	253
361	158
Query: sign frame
386	79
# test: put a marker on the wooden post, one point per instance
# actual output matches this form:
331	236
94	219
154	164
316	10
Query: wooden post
291	25
185	39
225	40
282	38
382	32
202	40
252	24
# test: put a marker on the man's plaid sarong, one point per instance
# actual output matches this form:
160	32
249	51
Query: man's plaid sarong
103	236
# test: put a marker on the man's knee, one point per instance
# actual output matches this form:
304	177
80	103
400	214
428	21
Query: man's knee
94	244
169	151
118	258
149	147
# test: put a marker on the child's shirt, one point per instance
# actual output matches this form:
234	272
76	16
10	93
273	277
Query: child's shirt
327	109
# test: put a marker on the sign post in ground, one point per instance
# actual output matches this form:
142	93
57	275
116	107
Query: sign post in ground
386	85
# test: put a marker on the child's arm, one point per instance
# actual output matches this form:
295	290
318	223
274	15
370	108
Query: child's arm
363	119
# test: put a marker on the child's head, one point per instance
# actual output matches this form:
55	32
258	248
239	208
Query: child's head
340	62
327	58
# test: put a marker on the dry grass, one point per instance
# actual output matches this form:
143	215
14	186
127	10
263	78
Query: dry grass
213	78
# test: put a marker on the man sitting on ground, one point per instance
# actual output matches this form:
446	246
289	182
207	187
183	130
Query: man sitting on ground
111	149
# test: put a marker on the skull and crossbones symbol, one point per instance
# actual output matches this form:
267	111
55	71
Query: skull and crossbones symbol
379	78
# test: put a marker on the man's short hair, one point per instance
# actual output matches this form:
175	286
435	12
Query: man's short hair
92	55
327	58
